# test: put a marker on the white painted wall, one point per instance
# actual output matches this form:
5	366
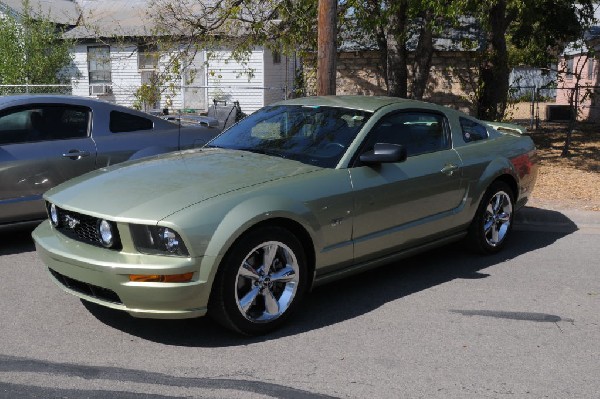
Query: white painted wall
231	81
277	77
254	83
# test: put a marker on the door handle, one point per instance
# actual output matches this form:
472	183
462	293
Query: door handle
76	154
449	169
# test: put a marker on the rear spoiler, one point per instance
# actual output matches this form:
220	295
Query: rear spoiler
511	127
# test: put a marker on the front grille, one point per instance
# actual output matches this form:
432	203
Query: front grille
83	228
91	290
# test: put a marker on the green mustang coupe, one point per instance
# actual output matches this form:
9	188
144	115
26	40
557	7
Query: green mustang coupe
299	193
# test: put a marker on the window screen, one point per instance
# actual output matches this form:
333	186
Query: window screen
99	66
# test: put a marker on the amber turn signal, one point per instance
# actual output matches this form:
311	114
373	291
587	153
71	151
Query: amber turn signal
158	278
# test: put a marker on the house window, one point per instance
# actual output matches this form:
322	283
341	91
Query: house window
147	57
276	57
569	64
590	65
99	64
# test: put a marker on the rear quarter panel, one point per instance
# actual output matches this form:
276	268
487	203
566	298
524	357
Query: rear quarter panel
501	155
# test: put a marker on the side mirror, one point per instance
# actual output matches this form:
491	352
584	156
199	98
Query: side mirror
384	153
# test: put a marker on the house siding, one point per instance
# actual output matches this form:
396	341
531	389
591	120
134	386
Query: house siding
254	83
279	77
589	82
230	81
125	76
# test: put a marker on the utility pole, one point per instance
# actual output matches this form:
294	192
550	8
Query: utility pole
326	47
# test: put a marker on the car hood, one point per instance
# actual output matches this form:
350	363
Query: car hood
154	188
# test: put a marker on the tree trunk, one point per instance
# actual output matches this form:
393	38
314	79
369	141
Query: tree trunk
573	106
494	71
422	60
326	53
381	39
397	71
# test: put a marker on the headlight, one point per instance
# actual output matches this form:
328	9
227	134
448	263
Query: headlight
157	240
53	212
106	233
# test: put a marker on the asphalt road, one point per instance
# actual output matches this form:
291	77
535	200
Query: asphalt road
448	324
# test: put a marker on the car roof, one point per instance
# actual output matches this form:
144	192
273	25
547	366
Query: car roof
365	103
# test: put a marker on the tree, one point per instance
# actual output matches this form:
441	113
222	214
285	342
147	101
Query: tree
32	50
392	25
530	32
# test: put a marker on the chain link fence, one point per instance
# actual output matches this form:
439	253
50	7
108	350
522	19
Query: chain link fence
6	90
176	98
529	105
537	105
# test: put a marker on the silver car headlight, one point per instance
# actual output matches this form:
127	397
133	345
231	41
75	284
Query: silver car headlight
53	214
157	240
106	233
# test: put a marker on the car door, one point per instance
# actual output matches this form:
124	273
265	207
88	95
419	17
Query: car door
40	147
402	204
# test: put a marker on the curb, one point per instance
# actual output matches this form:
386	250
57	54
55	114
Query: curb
556	220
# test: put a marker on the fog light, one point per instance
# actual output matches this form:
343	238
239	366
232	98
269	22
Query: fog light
105	233
159	278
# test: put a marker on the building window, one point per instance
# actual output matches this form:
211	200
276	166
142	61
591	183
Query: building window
276	57
147	56
99	64
569	64
590	65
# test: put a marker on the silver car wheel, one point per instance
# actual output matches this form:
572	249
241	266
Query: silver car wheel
497	219
266	282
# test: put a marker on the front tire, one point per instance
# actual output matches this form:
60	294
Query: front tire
493	221
260	282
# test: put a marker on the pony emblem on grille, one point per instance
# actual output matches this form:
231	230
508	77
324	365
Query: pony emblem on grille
71	221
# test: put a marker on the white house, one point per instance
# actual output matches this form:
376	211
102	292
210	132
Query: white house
112	58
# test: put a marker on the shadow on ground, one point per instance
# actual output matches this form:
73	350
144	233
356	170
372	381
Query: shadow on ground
352	297
16	241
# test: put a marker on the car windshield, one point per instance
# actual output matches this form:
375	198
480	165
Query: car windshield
309	134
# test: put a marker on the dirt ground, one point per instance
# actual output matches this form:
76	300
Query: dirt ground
568	182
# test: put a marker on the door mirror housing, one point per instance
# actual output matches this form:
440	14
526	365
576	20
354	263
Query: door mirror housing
384	153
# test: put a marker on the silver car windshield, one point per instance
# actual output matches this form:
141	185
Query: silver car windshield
310	134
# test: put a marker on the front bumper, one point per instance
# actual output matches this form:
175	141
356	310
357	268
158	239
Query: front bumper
101	276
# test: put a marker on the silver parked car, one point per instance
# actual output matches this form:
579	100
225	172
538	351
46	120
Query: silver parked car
48	139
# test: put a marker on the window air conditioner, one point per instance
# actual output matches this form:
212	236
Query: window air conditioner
100	90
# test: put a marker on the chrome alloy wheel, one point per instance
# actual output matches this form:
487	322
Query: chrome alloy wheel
497	219
266	282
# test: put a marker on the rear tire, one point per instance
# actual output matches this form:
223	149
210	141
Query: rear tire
493	221
260	281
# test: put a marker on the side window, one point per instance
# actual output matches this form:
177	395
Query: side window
473	131
43	123
121	122
419	132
